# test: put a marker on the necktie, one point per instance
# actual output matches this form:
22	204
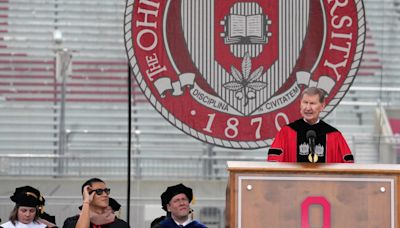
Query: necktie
180	225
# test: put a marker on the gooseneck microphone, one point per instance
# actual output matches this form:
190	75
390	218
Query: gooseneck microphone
311	135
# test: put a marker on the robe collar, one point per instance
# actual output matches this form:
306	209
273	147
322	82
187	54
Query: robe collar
312	124
185	223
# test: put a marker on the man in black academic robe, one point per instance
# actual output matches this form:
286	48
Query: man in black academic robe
176	202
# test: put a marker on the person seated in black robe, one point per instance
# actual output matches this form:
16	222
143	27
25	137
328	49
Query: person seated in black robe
176	202
96	211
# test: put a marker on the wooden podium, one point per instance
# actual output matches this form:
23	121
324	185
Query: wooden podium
296	195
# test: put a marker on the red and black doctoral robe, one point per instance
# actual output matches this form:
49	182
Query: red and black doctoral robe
291	144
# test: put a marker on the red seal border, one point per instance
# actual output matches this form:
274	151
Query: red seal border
234	143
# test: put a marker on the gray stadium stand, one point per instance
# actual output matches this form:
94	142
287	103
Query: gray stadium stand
76	127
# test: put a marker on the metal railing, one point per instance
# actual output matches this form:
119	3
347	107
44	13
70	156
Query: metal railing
143	166
211	165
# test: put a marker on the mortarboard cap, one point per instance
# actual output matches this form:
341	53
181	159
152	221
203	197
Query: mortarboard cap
173	191
26	196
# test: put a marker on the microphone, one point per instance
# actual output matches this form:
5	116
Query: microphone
311	135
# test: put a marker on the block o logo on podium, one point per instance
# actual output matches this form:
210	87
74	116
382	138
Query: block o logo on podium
230	73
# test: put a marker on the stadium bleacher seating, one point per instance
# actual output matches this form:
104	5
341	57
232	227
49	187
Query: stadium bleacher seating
95	110
78	127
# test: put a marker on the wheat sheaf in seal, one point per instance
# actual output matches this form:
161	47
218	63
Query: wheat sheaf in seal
230	73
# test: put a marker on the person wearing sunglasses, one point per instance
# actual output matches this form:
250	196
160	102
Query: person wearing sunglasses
96	211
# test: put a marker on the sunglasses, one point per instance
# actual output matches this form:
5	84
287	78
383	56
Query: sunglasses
100	191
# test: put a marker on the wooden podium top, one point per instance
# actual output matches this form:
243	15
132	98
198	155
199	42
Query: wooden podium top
250	166
275	195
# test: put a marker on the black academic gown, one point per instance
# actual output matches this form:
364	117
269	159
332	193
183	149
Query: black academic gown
118	223
169	223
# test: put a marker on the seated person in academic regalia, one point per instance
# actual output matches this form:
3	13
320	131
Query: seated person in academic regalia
176	202
310	139
26	211
95	210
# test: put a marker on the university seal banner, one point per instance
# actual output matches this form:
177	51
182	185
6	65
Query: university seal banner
230	72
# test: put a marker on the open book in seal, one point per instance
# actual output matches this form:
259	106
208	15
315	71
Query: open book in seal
246	29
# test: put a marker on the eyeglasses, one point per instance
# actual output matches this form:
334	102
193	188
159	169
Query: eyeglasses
100	191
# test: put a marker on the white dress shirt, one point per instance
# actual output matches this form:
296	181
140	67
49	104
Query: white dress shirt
22	225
